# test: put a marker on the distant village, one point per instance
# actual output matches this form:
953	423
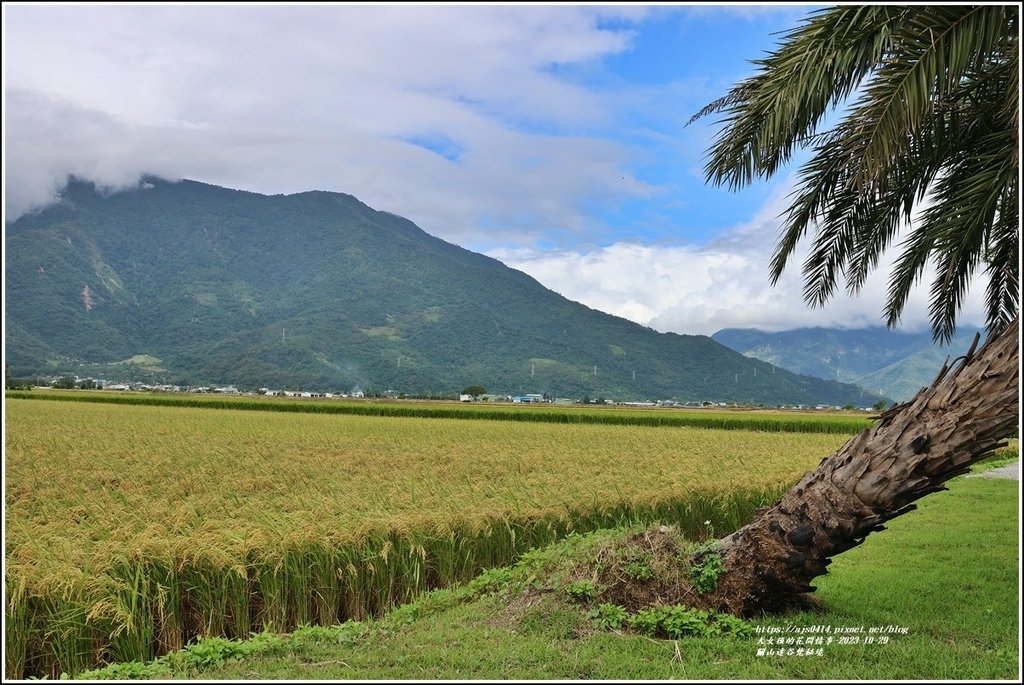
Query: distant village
76	382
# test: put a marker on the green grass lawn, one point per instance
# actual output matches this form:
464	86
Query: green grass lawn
947	574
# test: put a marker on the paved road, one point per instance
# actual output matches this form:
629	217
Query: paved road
1011	471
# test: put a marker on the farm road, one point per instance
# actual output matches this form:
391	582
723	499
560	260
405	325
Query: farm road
1011	471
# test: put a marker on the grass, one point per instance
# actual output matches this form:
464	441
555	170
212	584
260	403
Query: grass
716	418
131	529
945	579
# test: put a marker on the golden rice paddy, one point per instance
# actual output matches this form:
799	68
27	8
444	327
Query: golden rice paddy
131	529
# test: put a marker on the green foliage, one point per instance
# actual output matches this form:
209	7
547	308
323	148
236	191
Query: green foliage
213	651
706	568
129	670
474	390
581	590
608	616
492	580
639	568
646	621
727	624
676	621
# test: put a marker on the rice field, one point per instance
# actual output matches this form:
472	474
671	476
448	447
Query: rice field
131	529
714	417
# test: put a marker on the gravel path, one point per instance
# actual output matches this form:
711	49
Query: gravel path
1011	471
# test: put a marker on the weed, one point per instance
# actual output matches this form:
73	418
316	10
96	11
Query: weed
639	569
128	670
213	651
608	616
709	530
675	621
581	590
678	621
706	568
727	624
646	621
491	580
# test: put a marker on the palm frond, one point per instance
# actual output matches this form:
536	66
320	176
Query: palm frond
818	65
1003	262
966	205
935	120
932	52
907	271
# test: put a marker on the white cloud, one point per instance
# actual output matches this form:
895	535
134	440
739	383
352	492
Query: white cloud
279	99
700	289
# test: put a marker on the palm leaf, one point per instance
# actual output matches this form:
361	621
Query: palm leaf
935	122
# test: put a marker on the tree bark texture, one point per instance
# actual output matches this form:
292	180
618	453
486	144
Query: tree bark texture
908	453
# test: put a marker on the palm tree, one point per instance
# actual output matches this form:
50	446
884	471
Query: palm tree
932	129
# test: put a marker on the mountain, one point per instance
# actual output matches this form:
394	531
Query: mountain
195	284
892	363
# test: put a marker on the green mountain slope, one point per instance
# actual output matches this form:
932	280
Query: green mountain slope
318	291
888	362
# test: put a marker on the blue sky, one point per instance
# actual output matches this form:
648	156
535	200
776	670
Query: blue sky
551	137
682	58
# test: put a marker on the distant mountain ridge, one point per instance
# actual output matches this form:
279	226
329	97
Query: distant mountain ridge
191	283
892	363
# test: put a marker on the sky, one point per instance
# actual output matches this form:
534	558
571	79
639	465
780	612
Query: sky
551	137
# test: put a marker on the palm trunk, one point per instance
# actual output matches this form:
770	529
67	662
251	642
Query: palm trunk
910	452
